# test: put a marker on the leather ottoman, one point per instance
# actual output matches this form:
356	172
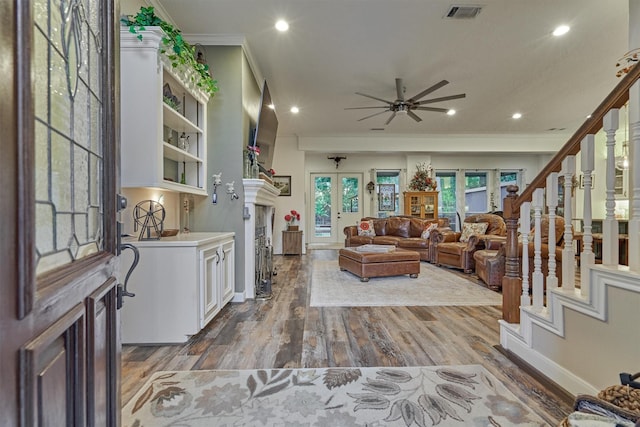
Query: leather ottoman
366	265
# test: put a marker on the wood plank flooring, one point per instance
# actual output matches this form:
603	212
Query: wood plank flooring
286	332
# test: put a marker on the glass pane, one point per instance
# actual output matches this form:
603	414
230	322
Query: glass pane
350	195
447	197
69	116
475	193
506	179
322	218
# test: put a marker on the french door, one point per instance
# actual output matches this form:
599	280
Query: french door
336	201
59	322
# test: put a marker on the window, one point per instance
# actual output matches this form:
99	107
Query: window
447	206
389	177
475	193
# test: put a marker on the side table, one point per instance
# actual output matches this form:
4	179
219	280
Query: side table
292	243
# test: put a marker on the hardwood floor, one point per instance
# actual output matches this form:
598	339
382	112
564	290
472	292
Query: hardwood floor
286	332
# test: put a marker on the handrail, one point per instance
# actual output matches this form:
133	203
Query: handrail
616	99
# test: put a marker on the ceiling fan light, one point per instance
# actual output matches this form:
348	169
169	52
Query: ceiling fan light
451	112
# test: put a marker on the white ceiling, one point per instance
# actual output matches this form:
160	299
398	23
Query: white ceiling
505	60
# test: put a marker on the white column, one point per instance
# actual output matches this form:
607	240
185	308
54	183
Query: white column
538	278
525	227
568	254
552	203
587	257
610	125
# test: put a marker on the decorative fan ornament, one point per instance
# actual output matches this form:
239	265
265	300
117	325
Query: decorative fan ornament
148	215
407	106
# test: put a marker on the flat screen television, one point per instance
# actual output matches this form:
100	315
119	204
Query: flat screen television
266	130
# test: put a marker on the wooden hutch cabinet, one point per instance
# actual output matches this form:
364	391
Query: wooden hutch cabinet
421	204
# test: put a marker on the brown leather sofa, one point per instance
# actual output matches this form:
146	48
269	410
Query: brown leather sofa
451	252
401	231
490	262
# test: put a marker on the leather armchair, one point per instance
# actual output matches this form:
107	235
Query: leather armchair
451	252
490	262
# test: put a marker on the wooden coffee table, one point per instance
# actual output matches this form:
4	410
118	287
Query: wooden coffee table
366	265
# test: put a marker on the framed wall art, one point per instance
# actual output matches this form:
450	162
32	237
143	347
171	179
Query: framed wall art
386	197
282	183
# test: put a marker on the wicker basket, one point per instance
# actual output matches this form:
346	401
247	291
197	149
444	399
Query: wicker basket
619	400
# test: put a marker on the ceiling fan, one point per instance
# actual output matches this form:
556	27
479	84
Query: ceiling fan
407	106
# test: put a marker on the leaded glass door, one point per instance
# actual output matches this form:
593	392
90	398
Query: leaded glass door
336	202
60	328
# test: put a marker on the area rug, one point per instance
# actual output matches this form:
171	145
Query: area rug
331	287
466	395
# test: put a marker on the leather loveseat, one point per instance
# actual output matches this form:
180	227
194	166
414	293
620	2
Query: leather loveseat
401	231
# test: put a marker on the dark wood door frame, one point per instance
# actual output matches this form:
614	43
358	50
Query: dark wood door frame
59	333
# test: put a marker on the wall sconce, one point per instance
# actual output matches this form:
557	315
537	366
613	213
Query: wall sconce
217	180
231	191
371	186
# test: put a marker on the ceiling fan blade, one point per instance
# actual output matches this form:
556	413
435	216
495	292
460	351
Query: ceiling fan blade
390	118
437	110
386	107
414	116
372	115
374	97
429	90
444	98
399	89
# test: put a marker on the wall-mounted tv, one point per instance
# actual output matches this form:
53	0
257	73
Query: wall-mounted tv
266	129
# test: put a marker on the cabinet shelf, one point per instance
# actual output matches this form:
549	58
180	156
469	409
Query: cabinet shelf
147	123
177	121
174	153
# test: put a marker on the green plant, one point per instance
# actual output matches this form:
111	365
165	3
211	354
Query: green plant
178	51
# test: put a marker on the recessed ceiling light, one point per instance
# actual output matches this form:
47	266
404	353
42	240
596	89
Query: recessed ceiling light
561	30
295	110
282	25
451	112
516	115
273	107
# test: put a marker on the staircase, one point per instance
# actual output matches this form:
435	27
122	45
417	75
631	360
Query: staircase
584	333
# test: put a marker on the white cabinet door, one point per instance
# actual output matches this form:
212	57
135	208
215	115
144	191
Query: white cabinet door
210	264
227	280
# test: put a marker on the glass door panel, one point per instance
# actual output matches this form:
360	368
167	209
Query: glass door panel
336	203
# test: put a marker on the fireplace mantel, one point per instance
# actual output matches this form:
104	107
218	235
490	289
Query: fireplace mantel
257	192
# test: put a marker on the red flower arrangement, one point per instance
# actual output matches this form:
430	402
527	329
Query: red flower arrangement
422	180
292	217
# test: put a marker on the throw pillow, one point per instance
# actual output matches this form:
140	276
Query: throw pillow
427	231
472	229
365	228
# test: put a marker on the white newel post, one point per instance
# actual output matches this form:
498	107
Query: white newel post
552	204
538	278
610	125
568	254
525	228
587	257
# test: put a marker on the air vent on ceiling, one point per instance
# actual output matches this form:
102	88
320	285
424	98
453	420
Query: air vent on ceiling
463	12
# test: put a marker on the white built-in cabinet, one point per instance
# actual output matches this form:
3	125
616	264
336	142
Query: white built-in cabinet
152	154
621	184
181	283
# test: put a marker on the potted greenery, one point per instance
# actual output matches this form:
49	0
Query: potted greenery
178	51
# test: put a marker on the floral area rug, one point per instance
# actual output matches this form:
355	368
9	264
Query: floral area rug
466	395
331	287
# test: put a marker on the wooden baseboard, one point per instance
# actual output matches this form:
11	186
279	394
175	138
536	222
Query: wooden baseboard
563	394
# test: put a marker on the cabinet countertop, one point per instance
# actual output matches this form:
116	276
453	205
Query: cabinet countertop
182	239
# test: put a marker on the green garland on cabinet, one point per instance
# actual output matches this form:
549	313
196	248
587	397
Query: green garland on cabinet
177	50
